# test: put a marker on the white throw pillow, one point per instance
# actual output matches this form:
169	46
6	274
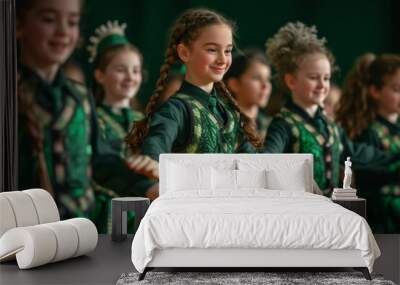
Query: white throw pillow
223	179
281	174
290	179
251	178
188	177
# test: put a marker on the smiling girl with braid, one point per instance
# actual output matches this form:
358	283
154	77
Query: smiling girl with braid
59	146
202	117
54	125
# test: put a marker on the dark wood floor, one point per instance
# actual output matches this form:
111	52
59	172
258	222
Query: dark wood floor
106	264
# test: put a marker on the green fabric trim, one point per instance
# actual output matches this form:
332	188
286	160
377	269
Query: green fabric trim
390	142
109	41
114	127
210	135
117	128
326	152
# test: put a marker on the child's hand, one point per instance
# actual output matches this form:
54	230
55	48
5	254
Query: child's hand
143	164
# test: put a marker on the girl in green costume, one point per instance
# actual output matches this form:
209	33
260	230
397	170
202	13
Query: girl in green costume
54	113
370	112
118	75
59	146
202	117
304	67
249	81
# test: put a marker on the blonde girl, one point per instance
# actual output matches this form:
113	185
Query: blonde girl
304	67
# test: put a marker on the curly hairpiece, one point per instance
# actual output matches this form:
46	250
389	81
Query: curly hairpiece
287	48
357	109
185	30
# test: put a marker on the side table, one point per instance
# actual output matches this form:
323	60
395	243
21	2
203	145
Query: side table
119	207
357	205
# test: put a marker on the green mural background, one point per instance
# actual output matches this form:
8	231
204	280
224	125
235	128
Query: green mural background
350	27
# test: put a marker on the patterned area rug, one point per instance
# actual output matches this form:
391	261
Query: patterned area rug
230	278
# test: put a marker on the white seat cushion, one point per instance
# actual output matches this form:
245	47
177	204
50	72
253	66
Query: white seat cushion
40	244
7	218
87	235
26	208
32	246
30	230
22	207
66	237
45	206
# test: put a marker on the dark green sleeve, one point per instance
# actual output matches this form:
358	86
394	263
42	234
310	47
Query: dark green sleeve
244	145
371	161
169	128
110	170
279	137
369	137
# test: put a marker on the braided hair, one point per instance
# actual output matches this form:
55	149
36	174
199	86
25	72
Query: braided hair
186	30
26	101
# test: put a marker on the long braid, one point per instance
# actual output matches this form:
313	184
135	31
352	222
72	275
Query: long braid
185	30
249	127
26	107
140	129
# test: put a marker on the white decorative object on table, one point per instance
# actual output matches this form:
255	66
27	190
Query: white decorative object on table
347	174
347	192
31	231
